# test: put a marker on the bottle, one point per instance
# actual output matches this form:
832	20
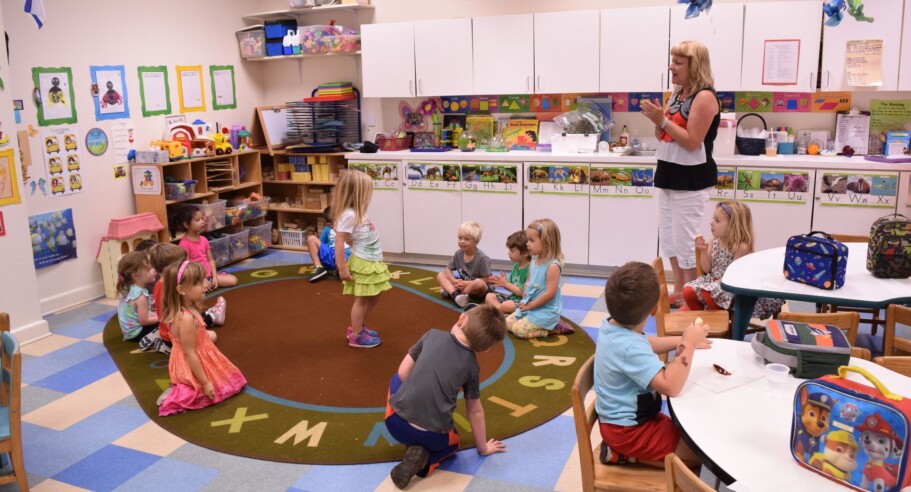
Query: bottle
635	143
624	137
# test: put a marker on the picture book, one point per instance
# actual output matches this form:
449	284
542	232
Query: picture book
481	125
521	133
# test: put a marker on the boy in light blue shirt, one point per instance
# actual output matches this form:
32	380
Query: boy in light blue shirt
322	249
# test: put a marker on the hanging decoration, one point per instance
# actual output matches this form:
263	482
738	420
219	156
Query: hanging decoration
35	8
412	118
834	11
696	6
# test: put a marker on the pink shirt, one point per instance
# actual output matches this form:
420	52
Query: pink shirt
198	251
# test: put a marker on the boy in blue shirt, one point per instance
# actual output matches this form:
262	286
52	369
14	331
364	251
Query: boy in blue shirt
630	378
322	249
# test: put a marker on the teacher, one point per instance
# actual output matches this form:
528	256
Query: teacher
686	171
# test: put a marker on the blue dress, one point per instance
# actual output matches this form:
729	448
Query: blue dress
548	315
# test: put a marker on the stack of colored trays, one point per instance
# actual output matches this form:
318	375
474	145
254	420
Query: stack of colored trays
335	89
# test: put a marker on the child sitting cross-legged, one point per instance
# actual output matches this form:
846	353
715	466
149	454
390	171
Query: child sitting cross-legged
515	283
630	378
473	267
322	249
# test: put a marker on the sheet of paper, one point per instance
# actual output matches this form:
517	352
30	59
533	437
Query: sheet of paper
191	88
711	380
62	159
155	93
853	130
779	63
224	87
122	139
864	63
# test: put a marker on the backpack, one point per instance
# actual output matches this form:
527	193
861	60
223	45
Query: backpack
816	259
889	250
811	350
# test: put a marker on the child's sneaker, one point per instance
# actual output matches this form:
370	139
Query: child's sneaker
366	330
444	294
217	312
610	457
460	299
563	328
470	306
319	274
362	340
163	396
414	461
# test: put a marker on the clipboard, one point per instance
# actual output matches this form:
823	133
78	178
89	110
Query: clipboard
852	129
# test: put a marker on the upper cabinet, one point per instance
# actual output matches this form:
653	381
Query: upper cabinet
887	27
566	52
780	21
643	67
387	60
721	31
504	54
904	73
440	48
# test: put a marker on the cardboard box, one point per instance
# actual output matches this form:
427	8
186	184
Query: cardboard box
301	177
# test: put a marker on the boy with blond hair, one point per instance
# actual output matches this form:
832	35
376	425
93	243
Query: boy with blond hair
473	267
629	376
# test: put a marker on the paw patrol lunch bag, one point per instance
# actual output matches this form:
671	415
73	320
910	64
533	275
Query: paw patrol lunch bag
811	350
816	259
852	433
889	249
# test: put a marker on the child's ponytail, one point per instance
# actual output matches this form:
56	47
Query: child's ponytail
740	230
127	268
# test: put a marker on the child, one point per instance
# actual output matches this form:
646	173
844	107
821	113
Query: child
538	312
162	255
473	267
200	374
732	231
629	376
134	314
515	284
424	391
322	249
365	276
191	221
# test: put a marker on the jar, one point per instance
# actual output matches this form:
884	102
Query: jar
467	141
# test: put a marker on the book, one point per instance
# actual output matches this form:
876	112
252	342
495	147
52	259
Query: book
521	133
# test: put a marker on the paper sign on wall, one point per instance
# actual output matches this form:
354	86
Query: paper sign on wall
53	237
146	180
864	63
779	62
122	137
62	160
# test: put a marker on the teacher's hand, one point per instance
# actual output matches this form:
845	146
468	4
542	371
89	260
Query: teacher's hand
652	112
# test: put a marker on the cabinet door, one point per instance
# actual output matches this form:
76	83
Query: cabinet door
639	68
566	52
781	203
387	58
780	21
887	27
619	192
492	197
433	201
721	31
904	73
440	49
847	202
504	54
386	210
559	191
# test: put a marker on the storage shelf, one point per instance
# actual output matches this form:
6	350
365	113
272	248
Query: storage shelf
242	258
260	17
312	183
198	159
290	248
195	196
293	209
241	186
302	55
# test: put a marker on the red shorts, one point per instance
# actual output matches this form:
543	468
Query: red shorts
650	441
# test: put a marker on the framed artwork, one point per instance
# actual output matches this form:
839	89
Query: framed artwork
174	118
223	93
55	93
2	226
154	90
424	139
146	180
9	182
189	88
111	100
96	141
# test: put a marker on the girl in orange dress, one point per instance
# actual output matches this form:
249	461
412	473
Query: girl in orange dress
200	374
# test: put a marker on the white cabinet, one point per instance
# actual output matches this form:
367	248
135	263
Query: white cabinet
387	60
781	202
721	31
504	54
904	68
847	202
887	27
440	51
566	52
638	67
386	210
622	195
492	197
787	21
433	200
559	191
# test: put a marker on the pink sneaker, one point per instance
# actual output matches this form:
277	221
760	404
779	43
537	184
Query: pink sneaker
365	329
563	328
217	312
363	340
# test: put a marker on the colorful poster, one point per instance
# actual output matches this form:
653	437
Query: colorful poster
9	183
885	116
622	182
791	102
109	92
851	189
728	101
53	237
772	185
558	179
755	102
433	176
454	104
724	187
520	103
657	98
146	180
385	174
62	159
831	102
489	177
96	141
619	101
545	103
568	101
482	104
55	90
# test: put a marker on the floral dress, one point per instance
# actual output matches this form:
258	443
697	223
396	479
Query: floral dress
721	258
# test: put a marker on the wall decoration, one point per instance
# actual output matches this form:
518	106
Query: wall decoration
17	105
635	99
172	119
53	237
189	88
830	102
619	101
519	103
544	103
791	102
833	11
757	102
154	90
696	6
224	95
122	139
454	104
62	160
111	101
146	180
9	183
412	119
55	93
96	141
727	99
482	104
120	171
25	154
2	225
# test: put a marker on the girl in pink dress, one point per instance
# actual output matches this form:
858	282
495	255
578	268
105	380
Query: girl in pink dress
200	374
192	223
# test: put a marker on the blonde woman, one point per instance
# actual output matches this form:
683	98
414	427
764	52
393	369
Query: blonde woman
686	171
364	275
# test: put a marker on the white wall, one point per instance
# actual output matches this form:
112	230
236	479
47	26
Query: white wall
115	32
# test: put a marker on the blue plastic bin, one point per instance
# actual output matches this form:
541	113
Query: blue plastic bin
274	47
278	29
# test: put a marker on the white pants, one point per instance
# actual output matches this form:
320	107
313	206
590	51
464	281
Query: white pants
679	216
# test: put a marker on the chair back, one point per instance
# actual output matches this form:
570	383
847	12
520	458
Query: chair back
664	303
847	321
4	322
861	353
10	373
901	365
850	238
680	478
896	315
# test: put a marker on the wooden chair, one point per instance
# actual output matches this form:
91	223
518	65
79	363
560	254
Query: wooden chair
672	323
896	314
874	320
4	322
10	408
861	353
680	478
596	475
901	365
846	321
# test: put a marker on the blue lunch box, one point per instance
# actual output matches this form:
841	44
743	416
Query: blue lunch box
816	259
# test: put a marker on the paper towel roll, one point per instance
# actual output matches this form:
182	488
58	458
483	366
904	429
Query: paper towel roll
603	146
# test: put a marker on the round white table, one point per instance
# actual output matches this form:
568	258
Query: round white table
740	425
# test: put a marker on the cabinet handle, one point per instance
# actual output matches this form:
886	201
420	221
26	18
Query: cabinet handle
539	82
421	86
662	82
812	87
528	82
411	87
827	79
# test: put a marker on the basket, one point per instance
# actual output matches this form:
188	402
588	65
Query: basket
393	143
751	146
293	237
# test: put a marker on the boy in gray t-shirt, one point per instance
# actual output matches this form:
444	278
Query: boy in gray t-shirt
473	267
424	391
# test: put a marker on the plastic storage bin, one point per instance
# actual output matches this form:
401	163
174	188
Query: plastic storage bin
393	143
293	237
214	213
220	251
314	38
234	214
260	237
344	43
180	191
237	244
252	42
278	29
245	211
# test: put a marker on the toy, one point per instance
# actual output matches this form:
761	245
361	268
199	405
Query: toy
243	139
122	236
174	148
814	419
878	439
201	128
222	146
839	458
202	147
184	141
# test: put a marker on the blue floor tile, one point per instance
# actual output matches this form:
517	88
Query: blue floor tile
82	313
48	452
574	315
578	303
108	424
84	329
592	332
79	375
60	360
106	316
107	468
348	478
575	280
466	462
177	475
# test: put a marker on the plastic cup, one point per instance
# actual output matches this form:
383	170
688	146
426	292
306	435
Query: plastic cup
776	373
